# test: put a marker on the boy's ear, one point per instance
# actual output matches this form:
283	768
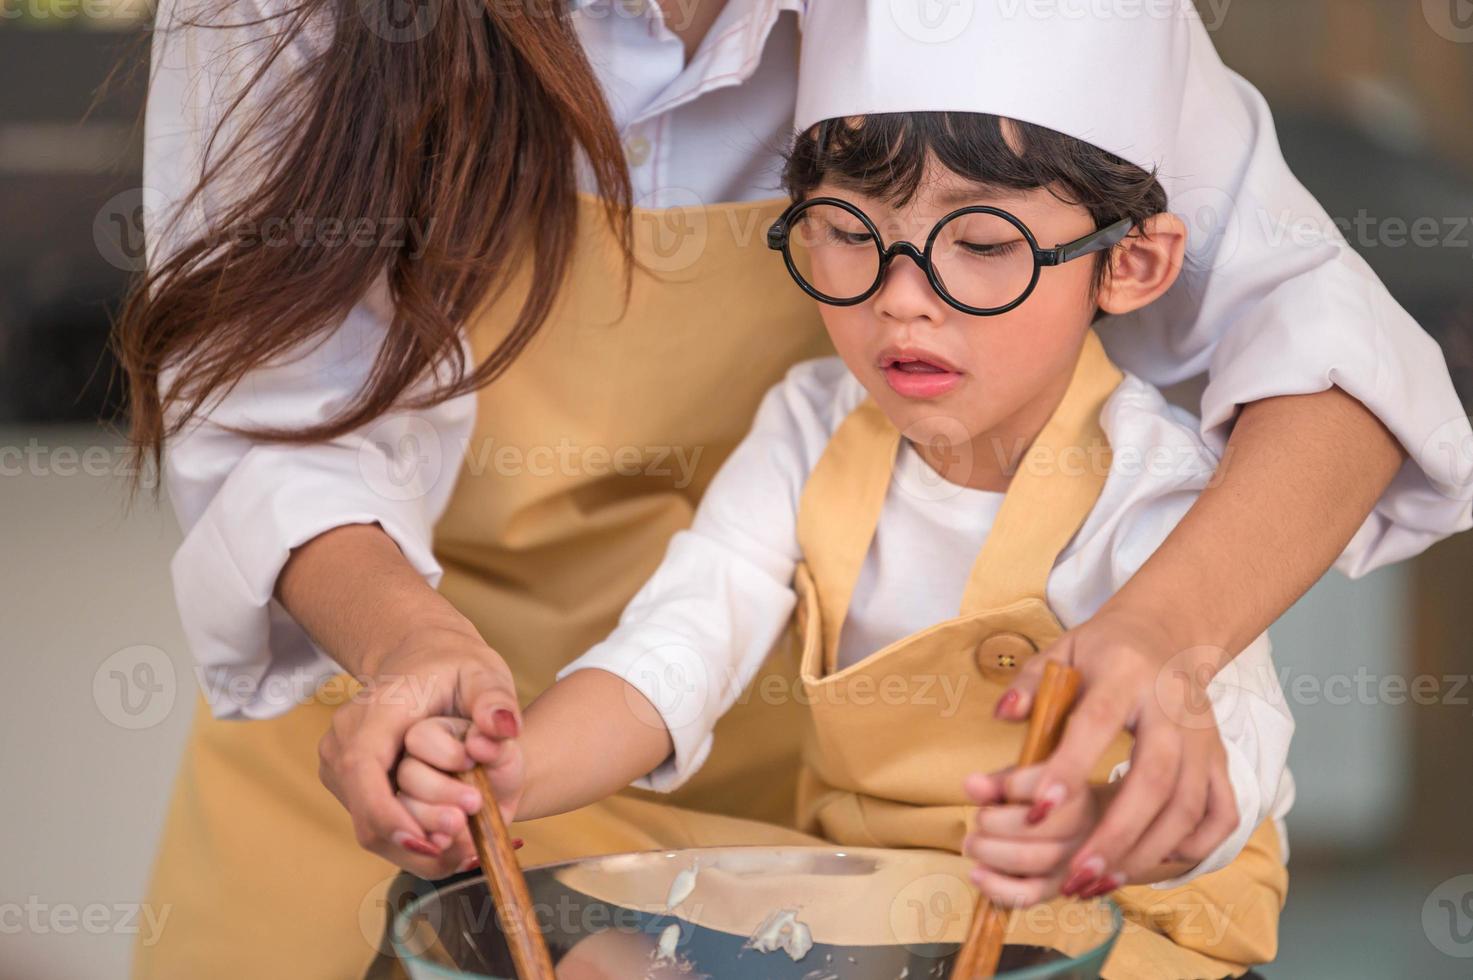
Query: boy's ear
1144	266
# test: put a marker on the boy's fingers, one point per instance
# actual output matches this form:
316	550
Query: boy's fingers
1010	821
985	788
447	820
1011	892
440	742
426	784
1154	769
488	752
1019	859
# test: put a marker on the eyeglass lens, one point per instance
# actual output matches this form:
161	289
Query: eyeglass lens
982	260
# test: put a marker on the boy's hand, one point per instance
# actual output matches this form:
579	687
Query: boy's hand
435	751
1021	863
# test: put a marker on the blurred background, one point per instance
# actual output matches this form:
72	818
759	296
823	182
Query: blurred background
1374	104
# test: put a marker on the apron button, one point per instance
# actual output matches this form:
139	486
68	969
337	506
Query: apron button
1004	650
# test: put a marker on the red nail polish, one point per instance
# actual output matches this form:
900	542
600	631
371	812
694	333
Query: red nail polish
1104	886
418	846
1040	810
1005	704
504	724
1077	882
516	843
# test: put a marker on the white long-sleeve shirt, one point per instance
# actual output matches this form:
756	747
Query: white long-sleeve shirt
701	627
1272	318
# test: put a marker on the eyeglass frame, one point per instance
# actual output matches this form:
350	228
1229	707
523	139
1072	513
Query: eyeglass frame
1096	241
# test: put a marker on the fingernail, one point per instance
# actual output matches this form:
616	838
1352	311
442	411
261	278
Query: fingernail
1104	886
468	863
1005	704
504	724
1085	876
516	843
1045	803
414	844
1077	882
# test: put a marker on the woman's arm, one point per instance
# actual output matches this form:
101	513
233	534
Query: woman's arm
1299	476
362	602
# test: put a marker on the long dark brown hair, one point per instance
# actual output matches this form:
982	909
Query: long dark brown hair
460	127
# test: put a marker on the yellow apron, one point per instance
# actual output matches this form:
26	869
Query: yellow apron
588	454
893	736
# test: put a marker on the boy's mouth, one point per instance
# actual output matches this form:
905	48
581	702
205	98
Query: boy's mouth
918	373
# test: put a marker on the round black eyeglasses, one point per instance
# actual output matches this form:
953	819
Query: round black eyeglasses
981	260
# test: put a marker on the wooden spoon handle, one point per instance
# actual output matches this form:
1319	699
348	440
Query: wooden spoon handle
508	887
982	950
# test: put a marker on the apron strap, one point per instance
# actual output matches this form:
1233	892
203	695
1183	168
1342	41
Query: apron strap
839	511
1051	493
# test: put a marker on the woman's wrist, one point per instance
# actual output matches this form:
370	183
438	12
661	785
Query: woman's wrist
361	601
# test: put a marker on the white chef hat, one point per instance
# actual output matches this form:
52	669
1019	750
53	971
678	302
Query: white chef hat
1272	299
1114	73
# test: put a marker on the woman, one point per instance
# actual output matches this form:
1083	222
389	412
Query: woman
392	347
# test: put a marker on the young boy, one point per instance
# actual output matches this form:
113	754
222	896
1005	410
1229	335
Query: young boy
967	478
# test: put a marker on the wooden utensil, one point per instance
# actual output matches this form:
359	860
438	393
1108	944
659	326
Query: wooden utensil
513	902
982	950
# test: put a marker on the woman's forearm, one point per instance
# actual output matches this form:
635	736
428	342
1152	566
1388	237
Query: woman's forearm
358	597
587	737
1299	476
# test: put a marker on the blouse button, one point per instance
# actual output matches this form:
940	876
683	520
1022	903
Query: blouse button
1004	650
637	149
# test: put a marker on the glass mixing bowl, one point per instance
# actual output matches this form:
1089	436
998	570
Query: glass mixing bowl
748	913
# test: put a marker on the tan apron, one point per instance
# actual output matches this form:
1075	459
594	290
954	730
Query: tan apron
893	736
588	454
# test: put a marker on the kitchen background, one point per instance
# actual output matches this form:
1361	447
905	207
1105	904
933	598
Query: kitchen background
1374	104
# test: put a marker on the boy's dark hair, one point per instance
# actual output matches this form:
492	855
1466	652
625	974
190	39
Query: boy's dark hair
885	156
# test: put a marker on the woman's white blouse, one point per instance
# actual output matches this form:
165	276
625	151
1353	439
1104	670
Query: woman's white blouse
1273	322
699	630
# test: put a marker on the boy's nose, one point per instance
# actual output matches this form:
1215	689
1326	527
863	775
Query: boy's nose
906	294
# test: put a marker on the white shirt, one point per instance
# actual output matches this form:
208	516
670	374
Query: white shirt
699	630
711	130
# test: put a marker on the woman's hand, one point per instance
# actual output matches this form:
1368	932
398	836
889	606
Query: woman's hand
1176	804
435	749
444	670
